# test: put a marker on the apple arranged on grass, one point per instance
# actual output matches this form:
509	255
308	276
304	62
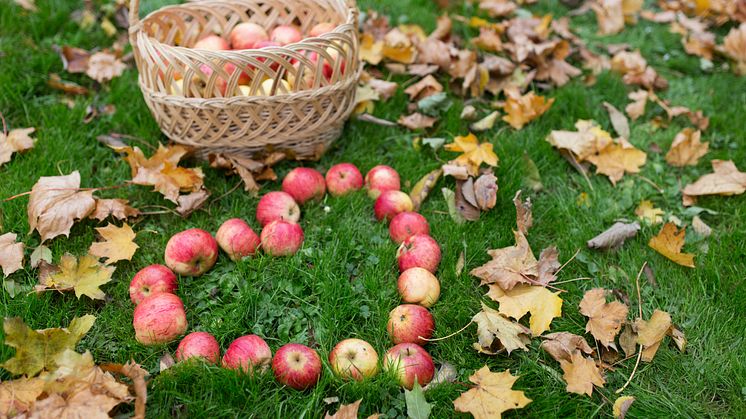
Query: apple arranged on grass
152	280
281	238
247	35
419	286
354	358
380	179
304	184
237	239
406	224
409	362
191	252
297	366
343	178
159	318
390	203
198	345
410	323
275	206
419	250
249	354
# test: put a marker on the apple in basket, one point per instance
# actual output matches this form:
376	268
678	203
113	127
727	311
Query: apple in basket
247	35
321	28
212	43
286	34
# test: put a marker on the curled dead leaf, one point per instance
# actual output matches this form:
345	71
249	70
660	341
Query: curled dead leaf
11	254
614	236
55	203
725	180
15	141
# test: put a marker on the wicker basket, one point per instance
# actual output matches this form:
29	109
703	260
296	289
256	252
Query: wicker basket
211	114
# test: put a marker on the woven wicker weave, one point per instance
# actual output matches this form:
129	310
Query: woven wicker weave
302	122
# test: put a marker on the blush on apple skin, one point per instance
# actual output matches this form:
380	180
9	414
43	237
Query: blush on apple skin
391	203
286	34
159	318
152	280
237	239
212	43
281	238
418	286
191	252
297	366
304	184
275	206
406	224
321	28
354	359
381	178
343	178
247	35
421	251
198	345
410	323
409	362
249	354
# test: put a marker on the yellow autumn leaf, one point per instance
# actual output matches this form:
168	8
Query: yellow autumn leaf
398	47
543	304
84	276
371	50
474	153
588	140
618	158
669	242
496	332
581	374
522	109
687	149
621	405
648	213
118	243
491	395
650	333
604	319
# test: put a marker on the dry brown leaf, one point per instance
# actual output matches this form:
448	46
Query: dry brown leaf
628	340
581	374
55	203
417	121
385	89
11	254
699	226
562	345
74	60
118	243
618	120
636	71
543	305
426	87
16	141
497	8
604	319
646	212
17	396
650	333
485	189
104	66
588	140
701	44
523	215
345	411
443	28
548	265
734	45
485	123
55	82
522	109
725	180
686	149
488	40
397	46
116	208
621	406
609	15
491	395
614	236
84	276
618	158
510	265
371	49
669	242
637	107
496	332
421	190
678	337
191	202
29	5
466	200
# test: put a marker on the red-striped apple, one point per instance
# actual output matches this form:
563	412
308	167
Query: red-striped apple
248	353
281	238
418	286
212	43
286	34
409	363
321	28
237	239
343	178
354	358
198	345
191	252
297	366
277	205
247	35
159	318
410	323
390	203
152	280
419	250
406	224
304	184
381	178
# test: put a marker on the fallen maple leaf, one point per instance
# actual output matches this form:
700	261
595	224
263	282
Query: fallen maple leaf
37	350
84	276
55	203
636	71
650	333
588	140
191	202
646	212
116	208
17	396
474	153
543	305
637	107
726	180
397	46
604	319
734	45
371	50
118	243
426	87
686	149
614	236
618	120
16	141
510	265
609	15
581	374
104	66
385	89
496	332
417	121
669	242
492	395
522	109
56	82
11	254
417	405
618	158
345	411
562	345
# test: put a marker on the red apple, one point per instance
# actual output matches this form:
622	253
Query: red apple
152	280
419	250
198	345
286	34
406	224
281	238
159	318
191	252
277	206
409	363
321	28
390	203
212	43
247	35
297	366
243	79
248	353
381	178
237	239
354	358
220	82
410	323
343	178
304	184
418	286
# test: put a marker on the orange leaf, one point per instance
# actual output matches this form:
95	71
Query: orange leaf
669	242
522	109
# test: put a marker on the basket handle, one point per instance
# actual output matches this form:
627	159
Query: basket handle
134	13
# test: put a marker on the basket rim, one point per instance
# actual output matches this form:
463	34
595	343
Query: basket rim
138	31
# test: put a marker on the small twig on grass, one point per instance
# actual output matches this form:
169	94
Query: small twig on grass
639	353
582	278
449	336
653	184
366	117
568	261
225	194
103	188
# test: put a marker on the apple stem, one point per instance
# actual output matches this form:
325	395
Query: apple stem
449	336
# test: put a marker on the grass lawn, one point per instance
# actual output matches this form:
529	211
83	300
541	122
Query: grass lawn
342	283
